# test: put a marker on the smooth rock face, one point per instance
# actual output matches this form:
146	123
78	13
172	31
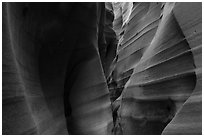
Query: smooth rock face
102	68
53	81
189	119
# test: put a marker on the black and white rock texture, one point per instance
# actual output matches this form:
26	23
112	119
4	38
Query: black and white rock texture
102	68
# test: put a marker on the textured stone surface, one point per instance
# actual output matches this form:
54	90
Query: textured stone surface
102	68
52	71
158	68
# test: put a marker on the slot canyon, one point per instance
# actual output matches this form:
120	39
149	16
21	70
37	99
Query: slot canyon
101	68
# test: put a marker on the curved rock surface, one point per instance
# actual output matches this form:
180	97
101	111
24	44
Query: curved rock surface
158	69
189	118
53	81
102	68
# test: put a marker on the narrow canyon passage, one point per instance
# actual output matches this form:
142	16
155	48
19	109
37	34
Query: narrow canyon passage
107	68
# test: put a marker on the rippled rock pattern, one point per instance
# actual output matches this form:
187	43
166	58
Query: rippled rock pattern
158	69
189	118
102	68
